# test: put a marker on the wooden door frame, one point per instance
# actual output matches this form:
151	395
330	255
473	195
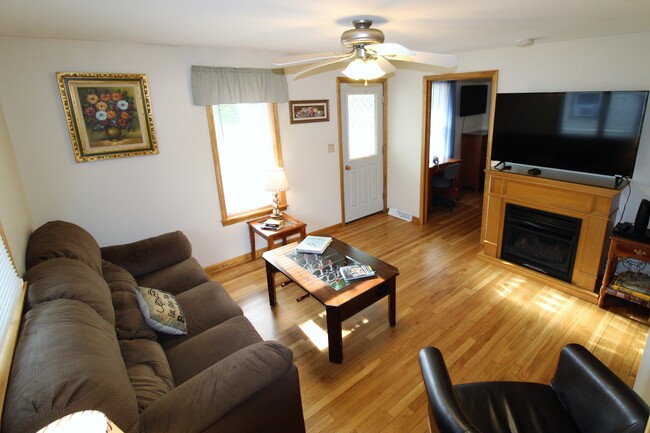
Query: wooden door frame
384	147
426	116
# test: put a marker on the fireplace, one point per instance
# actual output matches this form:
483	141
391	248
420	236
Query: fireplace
542	241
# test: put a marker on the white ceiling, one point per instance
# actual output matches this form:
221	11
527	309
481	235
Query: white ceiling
292	27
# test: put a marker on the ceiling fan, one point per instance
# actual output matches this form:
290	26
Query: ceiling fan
369	55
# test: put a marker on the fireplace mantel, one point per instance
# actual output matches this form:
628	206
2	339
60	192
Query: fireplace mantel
596	206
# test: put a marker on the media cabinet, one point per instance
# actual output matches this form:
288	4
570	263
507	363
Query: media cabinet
594	204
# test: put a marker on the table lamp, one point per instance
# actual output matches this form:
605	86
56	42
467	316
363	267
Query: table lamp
276	181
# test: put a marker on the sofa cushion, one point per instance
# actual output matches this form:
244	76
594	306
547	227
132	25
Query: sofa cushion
63	239
151	254
176	278
209	347
63	278
226	384
148	370
67	359
161	311
129	321
207	305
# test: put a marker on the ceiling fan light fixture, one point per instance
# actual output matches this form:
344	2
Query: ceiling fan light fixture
363	69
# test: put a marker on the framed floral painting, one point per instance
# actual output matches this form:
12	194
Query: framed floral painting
108	115
309	111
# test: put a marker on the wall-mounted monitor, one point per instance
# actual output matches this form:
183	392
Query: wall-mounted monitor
589	132
473	99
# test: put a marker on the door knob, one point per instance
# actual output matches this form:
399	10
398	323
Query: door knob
347	167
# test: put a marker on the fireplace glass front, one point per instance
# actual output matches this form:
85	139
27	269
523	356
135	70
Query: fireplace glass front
543	241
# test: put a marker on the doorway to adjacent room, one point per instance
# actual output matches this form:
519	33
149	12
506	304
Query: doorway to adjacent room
459	113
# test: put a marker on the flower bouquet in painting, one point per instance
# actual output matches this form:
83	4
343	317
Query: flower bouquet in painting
109	113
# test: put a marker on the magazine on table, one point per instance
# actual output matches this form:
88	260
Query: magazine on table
314	244
355	272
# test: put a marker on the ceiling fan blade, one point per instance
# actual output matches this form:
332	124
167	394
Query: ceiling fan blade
385	65
322	64
302	59
443	60
389	49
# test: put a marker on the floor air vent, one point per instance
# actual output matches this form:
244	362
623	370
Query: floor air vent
400	214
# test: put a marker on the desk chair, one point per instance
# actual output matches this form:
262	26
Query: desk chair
443	182
584	396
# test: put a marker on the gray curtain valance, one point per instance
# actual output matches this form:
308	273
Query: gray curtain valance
213	85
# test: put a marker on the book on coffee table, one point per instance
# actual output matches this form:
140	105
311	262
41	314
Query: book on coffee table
355	272
314	244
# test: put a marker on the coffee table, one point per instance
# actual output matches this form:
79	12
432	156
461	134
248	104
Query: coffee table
340	303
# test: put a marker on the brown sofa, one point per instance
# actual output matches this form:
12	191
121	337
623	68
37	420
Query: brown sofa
84	344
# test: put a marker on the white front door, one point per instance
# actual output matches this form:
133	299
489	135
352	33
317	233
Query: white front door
362	149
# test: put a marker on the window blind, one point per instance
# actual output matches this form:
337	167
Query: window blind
10	289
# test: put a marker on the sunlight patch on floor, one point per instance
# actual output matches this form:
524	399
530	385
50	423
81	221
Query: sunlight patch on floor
552	302
509	286
318	335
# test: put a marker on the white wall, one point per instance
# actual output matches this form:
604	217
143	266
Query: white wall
15	216
615	63
123	200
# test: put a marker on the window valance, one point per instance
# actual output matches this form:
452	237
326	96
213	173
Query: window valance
218	85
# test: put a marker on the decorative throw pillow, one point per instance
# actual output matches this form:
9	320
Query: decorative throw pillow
161	311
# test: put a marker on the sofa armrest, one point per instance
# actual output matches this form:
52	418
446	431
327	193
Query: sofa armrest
597	400
201	401
151	254
443	404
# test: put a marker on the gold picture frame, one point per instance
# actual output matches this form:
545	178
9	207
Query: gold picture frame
108	115
309	111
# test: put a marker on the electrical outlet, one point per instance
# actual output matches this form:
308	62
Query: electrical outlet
330	148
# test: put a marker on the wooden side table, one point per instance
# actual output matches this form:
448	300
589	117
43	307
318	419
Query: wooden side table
624	248
291	226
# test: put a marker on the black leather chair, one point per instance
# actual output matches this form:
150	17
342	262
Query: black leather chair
583	396
442	183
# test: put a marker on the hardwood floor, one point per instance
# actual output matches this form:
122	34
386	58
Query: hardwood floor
489	323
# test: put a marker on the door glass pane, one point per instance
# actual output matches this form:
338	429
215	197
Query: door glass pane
362	126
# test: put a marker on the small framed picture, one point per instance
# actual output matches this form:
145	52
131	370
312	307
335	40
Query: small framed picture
108	115
309	111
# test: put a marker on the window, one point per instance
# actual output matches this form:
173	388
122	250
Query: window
245	143
441	135
362	129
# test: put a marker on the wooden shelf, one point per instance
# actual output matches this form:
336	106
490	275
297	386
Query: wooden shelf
621	248
473	150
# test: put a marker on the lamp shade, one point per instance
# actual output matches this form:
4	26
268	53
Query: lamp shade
363	69
87	421
276	180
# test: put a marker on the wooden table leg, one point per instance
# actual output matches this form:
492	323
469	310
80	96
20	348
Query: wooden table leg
252	235
334	335
270	282
392	302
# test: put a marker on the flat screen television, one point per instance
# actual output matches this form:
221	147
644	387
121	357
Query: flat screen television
589	132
